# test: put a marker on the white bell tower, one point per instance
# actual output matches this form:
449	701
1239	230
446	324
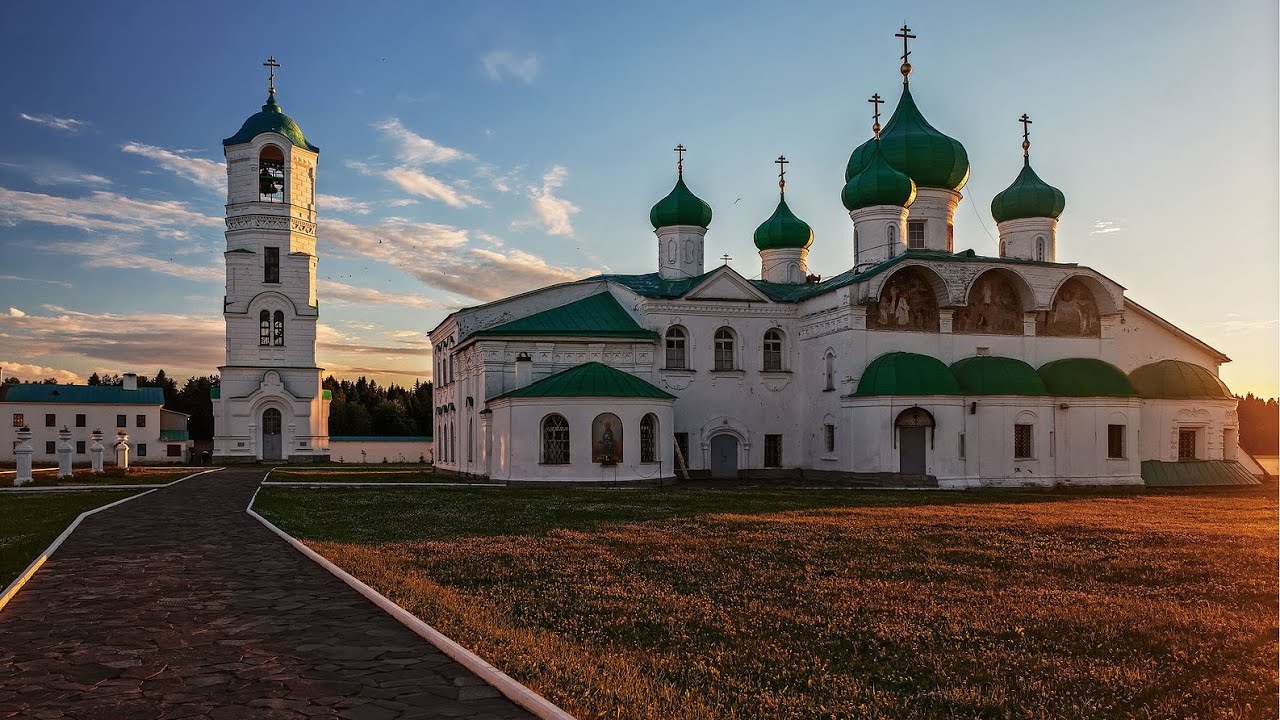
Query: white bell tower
270	405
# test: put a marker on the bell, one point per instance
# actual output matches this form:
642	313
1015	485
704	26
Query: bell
267	184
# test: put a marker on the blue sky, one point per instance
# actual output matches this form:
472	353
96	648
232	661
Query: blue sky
494	147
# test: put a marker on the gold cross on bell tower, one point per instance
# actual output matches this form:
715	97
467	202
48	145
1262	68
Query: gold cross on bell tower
781	162
1026	134
271	66
680	158
905	34
875	126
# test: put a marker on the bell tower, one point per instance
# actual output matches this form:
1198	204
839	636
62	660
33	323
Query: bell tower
270	405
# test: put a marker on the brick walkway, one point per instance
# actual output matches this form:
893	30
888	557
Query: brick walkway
180	605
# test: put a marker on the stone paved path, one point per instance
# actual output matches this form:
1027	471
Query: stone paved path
179	604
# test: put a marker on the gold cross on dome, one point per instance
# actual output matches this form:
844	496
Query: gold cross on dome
1026	134
680	158
876	101
905	34
781	162
271	66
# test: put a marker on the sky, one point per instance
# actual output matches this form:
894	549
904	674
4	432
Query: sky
473	150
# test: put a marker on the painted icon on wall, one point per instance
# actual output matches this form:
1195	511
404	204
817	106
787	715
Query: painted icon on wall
606	439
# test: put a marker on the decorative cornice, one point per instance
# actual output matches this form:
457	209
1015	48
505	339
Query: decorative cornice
271	222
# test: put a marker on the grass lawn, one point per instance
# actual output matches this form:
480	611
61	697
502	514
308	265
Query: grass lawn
112	476
370	475
771	603
30	521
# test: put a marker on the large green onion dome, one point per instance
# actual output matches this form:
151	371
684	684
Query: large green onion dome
904	373
915	147
1085	377
783	230
1028	197
1178	380
879	183
680	207
270	119
993	375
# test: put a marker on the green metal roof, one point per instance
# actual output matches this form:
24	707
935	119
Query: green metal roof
599	315
1175	379
82	394
904	373
993	375
680	207
912	145
270	119
1195	473
1085	377
879	183
783	230
591	379
1028	197
380	438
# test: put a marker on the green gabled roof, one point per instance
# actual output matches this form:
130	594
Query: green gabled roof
904	373
680	207
783	230
270	119
174	435
599	315
912	145
86	394
1178	380
1085	377
1156	473
591	379
1028	197
993	375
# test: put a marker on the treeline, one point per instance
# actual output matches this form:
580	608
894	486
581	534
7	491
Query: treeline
1259	425
192	398
363	407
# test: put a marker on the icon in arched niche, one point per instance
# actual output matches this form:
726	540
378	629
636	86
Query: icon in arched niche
993	309
907	302
1074	313
606	439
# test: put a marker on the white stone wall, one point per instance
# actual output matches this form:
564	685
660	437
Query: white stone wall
101	416
1216	424
1144	338
680	251
375	450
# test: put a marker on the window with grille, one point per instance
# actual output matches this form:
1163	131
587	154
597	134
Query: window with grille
1022	446
142	449
915	234
773	451
80	447
122	420
271	265
50	420
555	440
829	438
829	371
773	351
19	420
676	344
50	448
277	333
1186	445
175	451
724	349
264	328
142	421
1040	248
649	438
1115	441
80	420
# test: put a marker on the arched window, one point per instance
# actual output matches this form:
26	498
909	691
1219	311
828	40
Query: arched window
829	371
1040	247
773	351
649	438
277	333
724	349
444	442
555	440
264	328
271	175
453	442
471	440
857	246
892	239
677	359
1003	248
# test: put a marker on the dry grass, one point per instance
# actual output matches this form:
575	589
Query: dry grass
135	475
1000	605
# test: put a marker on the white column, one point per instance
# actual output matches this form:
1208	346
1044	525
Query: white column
64	453
22	454
122	449
95	452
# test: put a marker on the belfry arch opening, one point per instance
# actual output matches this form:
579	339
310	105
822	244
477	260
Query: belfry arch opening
271	175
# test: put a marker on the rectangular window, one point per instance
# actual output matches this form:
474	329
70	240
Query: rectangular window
724	352
271	265
142	421
829	438
772	451
121	420
915	234
50	420
1186	445
1115	441
80	420
19	420
80	447
50	448
142	449
682	449
1022	446
772	352
175	451
675	352
961	446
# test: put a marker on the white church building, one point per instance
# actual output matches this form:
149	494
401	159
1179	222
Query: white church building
916	366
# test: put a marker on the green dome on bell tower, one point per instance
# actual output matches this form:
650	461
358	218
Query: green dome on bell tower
1028	196
783	230
680	206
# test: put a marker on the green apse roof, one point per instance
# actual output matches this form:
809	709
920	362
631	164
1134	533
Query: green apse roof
82	394
1085	377
270	119
1156	473
879	183
904	373
1028	197
591	379
783	230
599	315
680	207
992	375
1175	379
915	147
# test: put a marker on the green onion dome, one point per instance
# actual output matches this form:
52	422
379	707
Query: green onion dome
915	147
904	373
783	230
1028	197
1178	380
879	183
270	119
1085	377
993	375
680	207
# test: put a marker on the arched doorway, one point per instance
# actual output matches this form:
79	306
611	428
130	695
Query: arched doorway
724	456
272	440
913	427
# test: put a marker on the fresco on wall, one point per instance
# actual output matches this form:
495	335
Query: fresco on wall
993	309
907	302
606	439
1074	313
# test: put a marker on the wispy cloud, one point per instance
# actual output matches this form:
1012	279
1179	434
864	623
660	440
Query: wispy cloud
554	213
341	203
210	174
70	125
52	172
503	64
124	254
416	182
1104	227
1234	324
100	211
17	278
344	294
415	149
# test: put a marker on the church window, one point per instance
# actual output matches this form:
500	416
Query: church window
1186	445
676	344
1115	442
829	438
19	420
829	371
1040	248
671	251
915	234
271	265
1004	248
277	332
471	440
772	451
724	349
555	440
892	237
1022	445
649	438
773	351
453	442
271	175
264	328
857	250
